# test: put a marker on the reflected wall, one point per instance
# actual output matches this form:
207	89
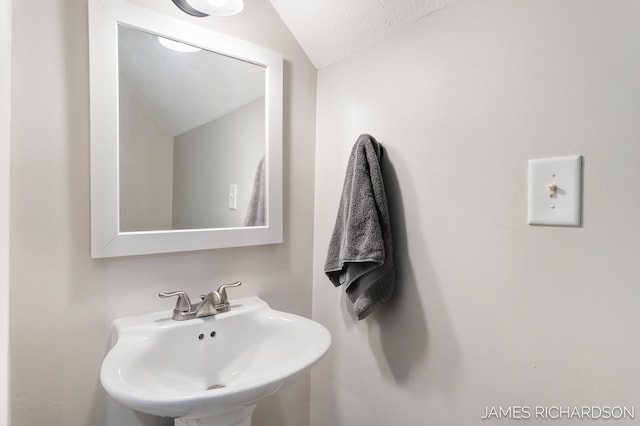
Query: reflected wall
191	135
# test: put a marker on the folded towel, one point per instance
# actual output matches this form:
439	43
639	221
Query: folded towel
256	210
360	252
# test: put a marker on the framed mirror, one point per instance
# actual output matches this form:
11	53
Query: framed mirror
186	135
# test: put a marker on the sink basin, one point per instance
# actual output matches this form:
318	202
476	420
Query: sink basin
213	370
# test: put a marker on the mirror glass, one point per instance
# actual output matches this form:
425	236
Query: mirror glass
191	135
186	135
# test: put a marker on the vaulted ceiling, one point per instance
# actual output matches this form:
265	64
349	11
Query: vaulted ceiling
331	30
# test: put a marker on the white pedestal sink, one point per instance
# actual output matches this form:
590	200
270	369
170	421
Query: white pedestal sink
210	371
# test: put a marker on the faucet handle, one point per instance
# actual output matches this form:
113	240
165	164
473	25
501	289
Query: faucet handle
183	304
222	290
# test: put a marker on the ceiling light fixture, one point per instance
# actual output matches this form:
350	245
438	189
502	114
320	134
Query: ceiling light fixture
202	8
177	46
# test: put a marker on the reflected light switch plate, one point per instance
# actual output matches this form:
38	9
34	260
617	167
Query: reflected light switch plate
233	196
555	191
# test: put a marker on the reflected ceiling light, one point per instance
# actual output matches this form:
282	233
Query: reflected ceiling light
202	8
177	46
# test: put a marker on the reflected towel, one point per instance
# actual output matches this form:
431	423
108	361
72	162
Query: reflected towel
360	254
256	210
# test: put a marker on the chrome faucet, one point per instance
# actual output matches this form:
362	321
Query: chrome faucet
213	303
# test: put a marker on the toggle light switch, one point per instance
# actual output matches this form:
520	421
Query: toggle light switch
555	191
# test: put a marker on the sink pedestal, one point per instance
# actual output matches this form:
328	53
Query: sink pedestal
239	417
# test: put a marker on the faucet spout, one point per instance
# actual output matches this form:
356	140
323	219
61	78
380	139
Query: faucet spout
208	306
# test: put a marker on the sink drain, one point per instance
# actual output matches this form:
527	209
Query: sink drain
218	386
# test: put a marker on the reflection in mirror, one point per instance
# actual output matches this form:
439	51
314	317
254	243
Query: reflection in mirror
191	136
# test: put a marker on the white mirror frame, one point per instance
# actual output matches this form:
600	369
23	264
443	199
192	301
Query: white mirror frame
106	238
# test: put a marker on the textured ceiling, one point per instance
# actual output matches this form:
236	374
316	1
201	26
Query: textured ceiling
331	30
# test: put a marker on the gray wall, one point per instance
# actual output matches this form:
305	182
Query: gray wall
146	168
56	353
5	113
208	159
489	311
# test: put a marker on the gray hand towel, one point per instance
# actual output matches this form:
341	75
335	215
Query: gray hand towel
361	250
256	210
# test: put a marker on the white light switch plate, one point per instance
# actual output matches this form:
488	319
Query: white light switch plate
233	196
565	208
